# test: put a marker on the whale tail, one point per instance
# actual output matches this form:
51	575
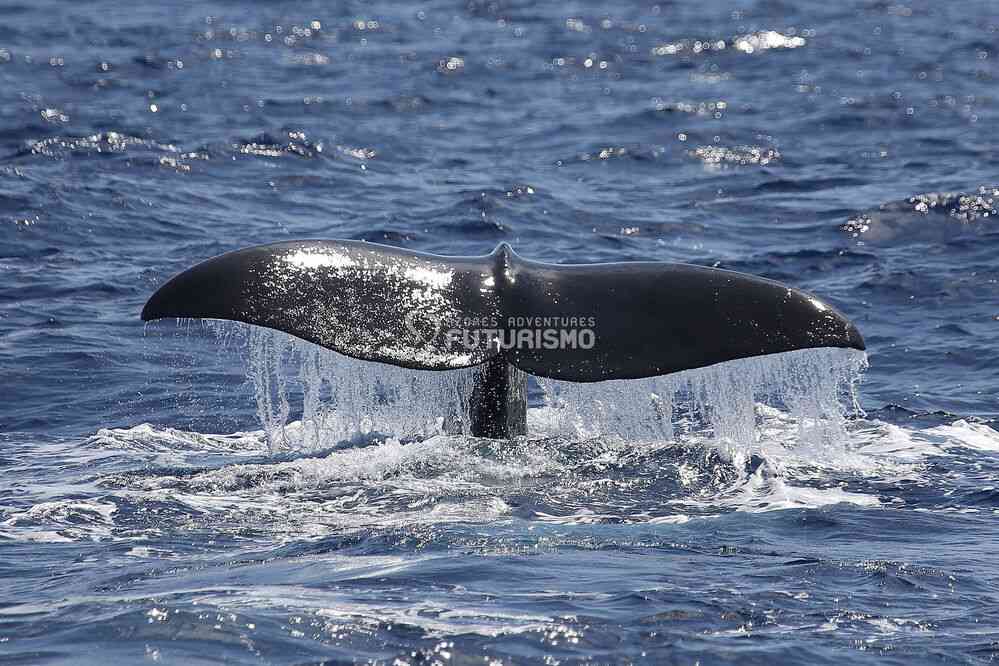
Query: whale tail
581	323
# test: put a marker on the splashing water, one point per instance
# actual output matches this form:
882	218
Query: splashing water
724	403
342	398
725	406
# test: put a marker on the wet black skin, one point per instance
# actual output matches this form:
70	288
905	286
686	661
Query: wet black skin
385	304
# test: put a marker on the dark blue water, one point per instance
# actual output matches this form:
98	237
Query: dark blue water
848	148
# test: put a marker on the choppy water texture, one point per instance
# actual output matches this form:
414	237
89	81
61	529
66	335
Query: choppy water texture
192	494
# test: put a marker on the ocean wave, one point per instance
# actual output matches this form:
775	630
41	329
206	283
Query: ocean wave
750	43
928	217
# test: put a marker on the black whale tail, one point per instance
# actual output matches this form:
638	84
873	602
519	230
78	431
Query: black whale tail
580	323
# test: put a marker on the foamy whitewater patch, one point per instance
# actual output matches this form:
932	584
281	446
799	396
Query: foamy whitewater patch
327	612
764	491
428	484
877	440
453	461
61	521
149	439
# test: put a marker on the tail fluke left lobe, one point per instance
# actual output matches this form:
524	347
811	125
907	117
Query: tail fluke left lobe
363	300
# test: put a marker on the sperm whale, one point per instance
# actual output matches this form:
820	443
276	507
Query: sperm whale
503	314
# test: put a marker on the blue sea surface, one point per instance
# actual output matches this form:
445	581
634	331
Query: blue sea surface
185	493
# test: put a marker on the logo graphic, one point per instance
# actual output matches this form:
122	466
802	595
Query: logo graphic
420	332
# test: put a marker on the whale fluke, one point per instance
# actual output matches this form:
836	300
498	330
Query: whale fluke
367	301
583	323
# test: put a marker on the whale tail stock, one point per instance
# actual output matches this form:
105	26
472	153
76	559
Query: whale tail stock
510	315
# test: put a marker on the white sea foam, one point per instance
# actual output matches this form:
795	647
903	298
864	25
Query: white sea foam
61	521
440	480
152	439
347	445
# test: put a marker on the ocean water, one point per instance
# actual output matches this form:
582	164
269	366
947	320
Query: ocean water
193	493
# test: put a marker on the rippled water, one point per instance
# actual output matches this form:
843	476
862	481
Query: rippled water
187	493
